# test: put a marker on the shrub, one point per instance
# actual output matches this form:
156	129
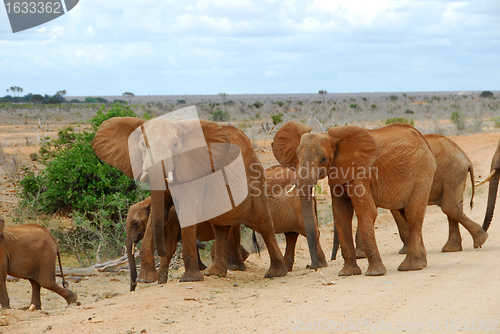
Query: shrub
53	100
353	105
181	101
457	117
409	111
119	101
277	118
279	103
101	100
75	101
76	182
486	93
393	97
37	99
373	106
258	104
89	99
399	120
219	116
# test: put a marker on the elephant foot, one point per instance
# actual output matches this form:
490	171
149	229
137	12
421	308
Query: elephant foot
244	253
403	250
410	263
452	247
321	264
32	307
215	270
73	297
276	270
376	270
350	269
479	238
192	277
237	266
360	254
147	276
289	264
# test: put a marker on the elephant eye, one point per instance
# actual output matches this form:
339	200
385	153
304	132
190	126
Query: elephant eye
136	224
323	161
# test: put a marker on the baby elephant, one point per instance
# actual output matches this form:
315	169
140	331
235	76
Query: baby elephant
29	251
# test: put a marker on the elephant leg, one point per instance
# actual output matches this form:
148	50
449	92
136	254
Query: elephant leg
148	273
291	240
416	256
190	255
201	265
172	236
51	285
366	211
455	212
4	296
35	295
360	252
342	215
265	228
234	255
219	263
454	243
403	230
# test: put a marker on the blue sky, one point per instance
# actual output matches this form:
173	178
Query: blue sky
161	47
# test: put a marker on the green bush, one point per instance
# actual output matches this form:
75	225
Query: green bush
353	105
101	100
53	100
219	116
181	101
277	118
89	99
457	117
399	120
373	106
258	104
393	97
409	111
486	93
76	182
279	103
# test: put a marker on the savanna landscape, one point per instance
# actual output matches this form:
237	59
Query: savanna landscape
456	291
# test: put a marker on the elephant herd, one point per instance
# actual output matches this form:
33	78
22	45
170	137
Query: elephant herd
394	167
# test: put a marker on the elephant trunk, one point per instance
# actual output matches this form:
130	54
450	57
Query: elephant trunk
131	264
309	220
158	219
492	197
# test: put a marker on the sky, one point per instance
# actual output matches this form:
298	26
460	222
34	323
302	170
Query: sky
167	47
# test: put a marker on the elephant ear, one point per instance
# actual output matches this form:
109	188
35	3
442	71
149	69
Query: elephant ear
355	152
2	224
287	140
110	143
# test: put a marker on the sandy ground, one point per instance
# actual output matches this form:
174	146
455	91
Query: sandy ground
454	290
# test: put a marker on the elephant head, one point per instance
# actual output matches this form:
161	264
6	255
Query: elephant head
342	154
493	187
159	150
137	220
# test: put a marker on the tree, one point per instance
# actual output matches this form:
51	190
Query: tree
15	90
60	95
223	97
37	99
486	93
322	93
129	96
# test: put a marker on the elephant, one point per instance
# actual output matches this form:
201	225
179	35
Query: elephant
493	187
286	211
453	167
29	251
111	145
139	227
391	167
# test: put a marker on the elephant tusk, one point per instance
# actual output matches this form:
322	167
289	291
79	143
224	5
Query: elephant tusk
133	249
486	179
314	192
291	189
170	177
144	176
32	307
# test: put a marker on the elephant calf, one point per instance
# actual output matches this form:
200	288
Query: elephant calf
139	227
29	251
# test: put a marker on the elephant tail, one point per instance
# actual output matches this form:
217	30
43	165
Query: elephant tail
255	243
471	171
64	282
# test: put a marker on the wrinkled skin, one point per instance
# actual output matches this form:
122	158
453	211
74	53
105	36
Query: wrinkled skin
138	227
111	146
493	188
453	167
29	251
391	167
287	212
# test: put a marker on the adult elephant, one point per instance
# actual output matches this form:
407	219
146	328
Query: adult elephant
391	167
493	187
111	145
453	168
